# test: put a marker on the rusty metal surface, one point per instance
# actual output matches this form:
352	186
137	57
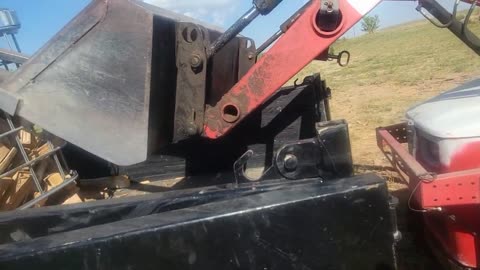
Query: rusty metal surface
223	70
448	202
398	131
285	59
191	80
449	189
405	164
247	56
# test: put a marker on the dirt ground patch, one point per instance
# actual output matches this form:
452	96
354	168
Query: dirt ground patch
369	107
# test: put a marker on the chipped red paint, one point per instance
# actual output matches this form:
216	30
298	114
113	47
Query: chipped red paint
301	44
464	190
456	228
455	237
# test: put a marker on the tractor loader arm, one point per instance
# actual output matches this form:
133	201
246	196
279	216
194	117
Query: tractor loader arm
308	36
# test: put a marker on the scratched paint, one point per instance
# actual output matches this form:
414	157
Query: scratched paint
301	44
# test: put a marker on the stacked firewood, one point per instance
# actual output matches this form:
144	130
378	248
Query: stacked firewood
18	187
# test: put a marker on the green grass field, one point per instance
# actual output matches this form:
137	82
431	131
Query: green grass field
402	55
390	71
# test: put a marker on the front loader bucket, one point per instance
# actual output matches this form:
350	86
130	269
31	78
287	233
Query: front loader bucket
105	82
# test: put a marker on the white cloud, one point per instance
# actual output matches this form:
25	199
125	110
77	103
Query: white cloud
212	11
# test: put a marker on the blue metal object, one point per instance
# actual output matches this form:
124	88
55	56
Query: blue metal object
9	26
9	22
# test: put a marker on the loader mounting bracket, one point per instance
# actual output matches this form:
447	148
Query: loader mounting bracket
191	80
328	155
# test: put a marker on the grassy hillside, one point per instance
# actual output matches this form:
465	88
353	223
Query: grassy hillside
390	71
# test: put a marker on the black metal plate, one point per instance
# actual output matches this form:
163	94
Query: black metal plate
345	225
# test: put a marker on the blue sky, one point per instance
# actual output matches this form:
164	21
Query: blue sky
41	19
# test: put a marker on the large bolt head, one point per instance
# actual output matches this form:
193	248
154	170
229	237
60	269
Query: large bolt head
290	162
196	61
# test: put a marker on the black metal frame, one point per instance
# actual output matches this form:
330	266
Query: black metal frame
448	20
327	156
303	224
290	116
